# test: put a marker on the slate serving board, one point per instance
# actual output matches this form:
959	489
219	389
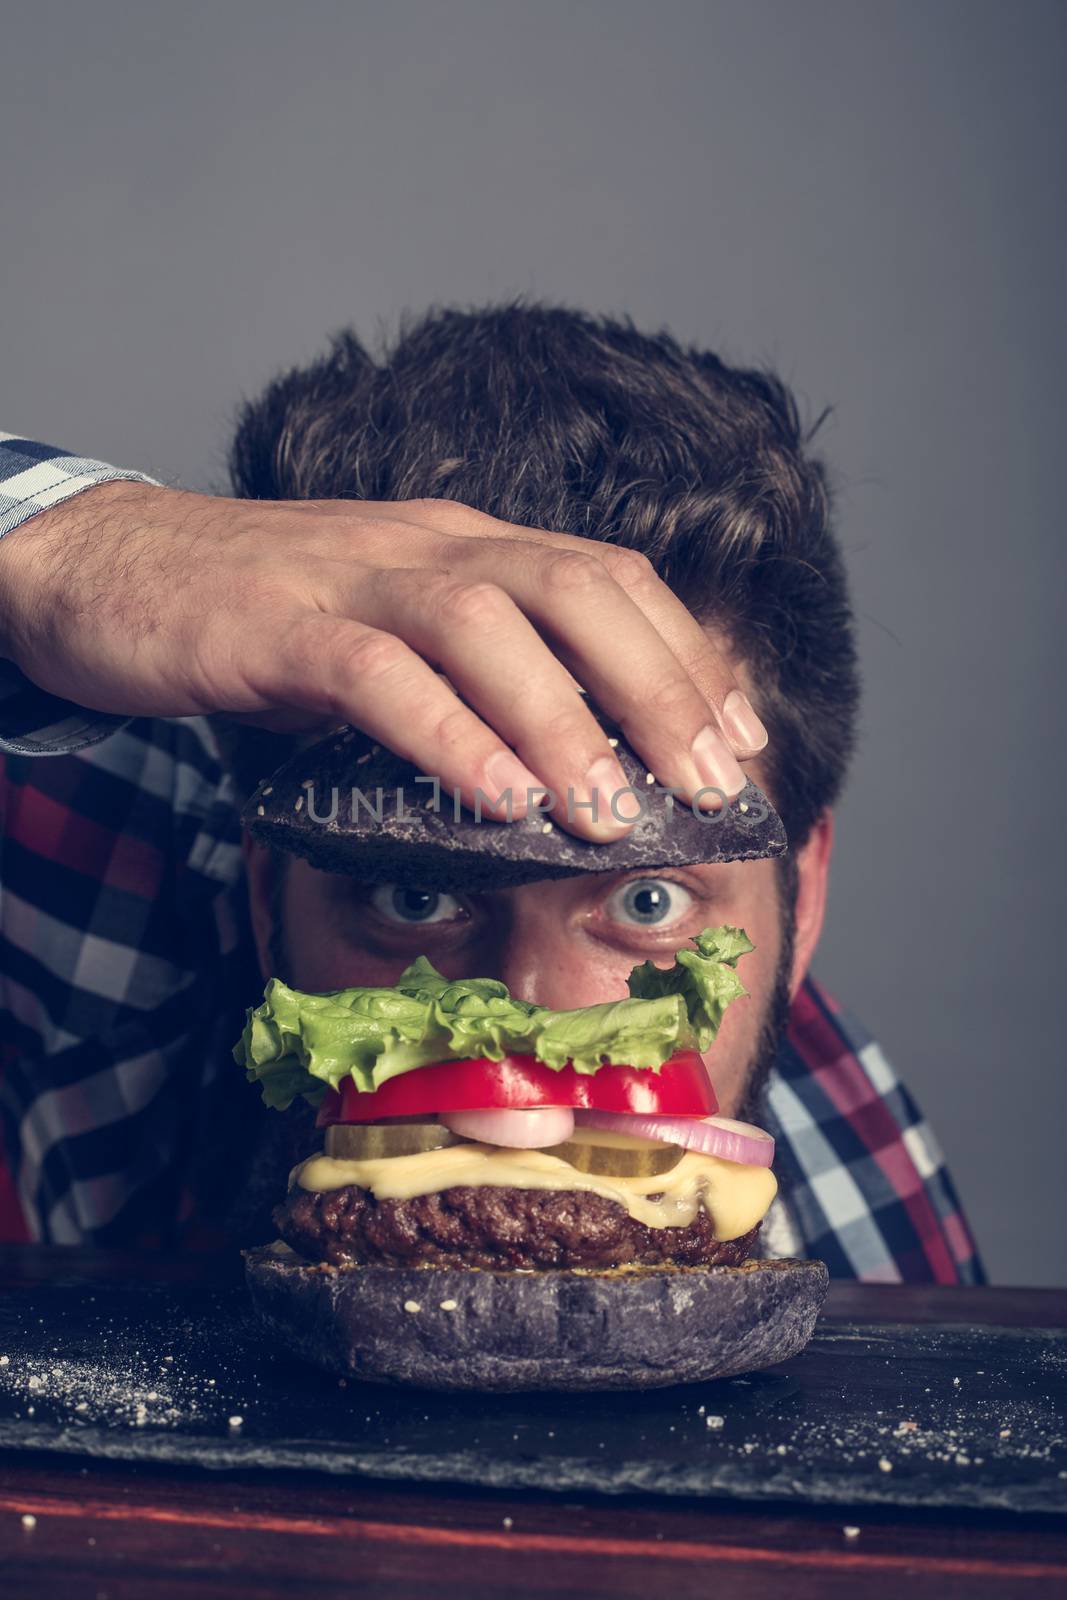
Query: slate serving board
876	1414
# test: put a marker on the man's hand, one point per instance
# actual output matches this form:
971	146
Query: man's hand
299	615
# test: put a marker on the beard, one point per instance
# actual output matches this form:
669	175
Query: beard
775	1018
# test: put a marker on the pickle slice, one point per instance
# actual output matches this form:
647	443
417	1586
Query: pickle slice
371	1141
617	1155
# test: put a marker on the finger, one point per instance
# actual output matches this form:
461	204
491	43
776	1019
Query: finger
734	713
362	675
503	668
621	658
688	641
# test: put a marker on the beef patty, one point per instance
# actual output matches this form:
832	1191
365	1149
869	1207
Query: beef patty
489	1227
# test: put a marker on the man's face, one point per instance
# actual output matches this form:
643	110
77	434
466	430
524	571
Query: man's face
563	943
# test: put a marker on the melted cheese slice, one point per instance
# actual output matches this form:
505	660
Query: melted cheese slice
736	1197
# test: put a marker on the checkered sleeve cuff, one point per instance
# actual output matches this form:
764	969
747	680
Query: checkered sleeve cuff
34	477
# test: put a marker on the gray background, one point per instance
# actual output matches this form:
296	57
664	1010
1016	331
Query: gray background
864	195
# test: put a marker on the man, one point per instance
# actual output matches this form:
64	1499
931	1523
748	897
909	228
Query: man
690	584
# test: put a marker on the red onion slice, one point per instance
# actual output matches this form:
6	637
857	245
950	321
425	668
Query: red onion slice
519	1130
713	1136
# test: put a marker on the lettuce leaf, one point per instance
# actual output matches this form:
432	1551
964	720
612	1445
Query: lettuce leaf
303	1044
703	978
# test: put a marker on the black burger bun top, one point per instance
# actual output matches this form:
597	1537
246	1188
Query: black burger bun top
348	805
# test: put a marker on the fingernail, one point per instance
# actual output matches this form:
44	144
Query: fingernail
717	767
742	724
604	780
505	774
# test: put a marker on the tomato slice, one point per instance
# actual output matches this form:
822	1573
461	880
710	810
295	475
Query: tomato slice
681	1088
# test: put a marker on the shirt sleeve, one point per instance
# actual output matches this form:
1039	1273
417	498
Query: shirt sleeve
33	478
126	964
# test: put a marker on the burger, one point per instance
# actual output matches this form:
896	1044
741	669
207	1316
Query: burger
502	1195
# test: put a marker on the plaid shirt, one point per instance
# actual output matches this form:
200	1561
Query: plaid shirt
126	961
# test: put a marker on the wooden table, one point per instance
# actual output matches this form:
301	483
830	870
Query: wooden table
116	1532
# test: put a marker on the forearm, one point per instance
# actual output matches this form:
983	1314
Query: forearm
36	478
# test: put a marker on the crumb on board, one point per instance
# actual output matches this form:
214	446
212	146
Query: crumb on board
29	1521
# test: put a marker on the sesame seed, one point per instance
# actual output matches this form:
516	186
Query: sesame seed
614	743
546	827
235	1422
714	1422
449	1305
299	803
364	757
851	1533
508	1523
269	789
650	777
29	1521
743	806
261	811
884	1465
412	1305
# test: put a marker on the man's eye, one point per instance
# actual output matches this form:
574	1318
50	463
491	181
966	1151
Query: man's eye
648	902
397	904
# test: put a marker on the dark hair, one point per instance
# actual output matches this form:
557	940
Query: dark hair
558	419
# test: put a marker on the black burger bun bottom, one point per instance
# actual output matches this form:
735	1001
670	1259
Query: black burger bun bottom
350	806
464	1329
